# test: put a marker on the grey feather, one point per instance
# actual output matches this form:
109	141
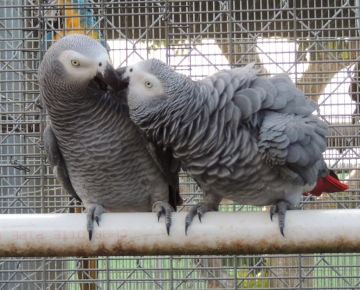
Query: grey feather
103	159
57	162
252	140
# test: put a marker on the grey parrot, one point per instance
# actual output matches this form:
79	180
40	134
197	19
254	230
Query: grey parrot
249	139
96	152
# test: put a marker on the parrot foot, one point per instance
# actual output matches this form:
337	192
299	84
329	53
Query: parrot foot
93	213
280	207
200	209
162	207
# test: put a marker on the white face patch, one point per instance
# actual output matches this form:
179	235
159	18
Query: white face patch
81	67
142	84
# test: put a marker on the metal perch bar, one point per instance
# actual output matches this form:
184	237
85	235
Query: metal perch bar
220	233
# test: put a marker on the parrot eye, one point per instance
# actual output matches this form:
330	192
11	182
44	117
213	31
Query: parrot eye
100	64
75	62
148	84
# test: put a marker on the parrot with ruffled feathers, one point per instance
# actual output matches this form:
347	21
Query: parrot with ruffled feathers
243	137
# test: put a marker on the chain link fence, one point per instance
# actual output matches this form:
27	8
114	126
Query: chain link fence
316	42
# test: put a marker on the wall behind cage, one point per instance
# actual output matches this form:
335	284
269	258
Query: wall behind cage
315	42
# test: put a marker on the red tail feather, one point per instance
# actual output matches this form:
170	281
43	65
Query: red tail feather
327	184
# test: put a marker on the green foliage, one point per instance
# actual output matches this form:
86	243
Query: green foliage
348	199
248	278
155	44
332	270
248	275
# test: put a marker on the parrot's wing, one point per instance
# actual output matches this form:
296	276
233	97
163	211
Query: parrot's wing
237	99
57	162
281	95
242	95
169	167
293	144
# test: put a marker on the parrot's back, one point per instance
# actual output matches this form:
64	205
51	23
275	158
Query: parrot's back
261	141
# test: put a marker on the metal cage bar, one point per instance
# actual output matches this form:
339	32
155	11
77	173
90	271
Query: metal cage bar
315	42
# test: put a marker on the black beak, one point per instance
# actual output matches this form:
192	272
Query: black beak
111	81
121	96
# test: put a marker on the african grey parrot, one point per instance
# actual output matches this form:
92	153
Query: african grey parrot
246	138
96	152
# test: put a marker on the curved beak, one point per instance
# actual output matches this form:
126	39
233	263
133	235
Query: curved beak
114	80
121	95
111	81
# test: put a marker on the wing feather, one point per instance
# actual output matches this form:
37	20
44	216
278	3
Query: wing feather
57	161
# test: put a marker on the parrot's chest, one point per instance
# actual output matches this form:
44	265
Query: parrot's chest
113	170
110	185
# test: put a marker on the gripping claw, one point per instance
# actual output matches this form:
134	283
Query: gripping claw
200	209
280	207
163	208
93	213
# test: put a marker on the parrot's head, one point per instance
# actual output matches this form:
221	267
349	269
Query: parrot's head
152	87
78	63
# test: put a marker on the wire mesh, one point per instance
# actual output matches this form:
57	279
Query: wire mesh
315	42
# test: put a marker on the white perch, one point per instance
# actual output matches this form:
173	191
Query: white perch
317	231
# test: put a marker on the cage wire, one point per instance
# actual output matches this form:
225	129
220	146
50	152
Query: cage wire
316	42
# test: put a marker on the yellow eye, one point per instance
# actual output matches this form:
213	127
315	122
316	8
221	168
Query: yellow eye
148	84
75	62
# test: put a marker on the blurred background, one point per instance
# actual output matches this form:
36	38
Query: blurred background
315	41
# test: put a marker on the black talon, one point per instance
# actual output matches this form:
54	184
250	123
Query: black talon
97	220
282	231
163	208
200	209
167	221
159	215
280	207
273	210
93	213
271	214
168	229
